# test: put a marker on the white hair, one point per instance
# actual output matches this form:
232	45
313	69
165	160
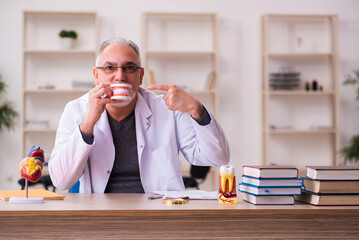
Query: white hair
118	41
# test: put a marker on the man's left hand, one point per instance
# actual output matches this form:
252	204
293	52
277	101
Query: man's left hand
179	100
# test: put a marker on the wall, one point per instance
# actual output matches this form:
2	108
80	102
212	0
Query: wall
239	60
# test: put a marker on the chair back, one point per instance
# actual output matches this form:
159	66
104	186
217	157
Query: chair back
199	172
75	188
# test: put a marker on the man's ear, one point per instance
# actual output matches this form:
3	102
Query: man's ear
141	75
95	74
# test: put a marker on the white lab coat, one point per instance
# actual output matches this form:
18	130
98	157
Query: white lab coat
160	134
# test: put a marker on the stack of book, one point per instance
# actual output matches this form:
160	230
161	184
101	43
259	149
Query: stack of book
272	185
330	185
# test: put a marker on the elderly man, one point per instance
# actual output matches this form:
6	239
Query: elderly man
133	145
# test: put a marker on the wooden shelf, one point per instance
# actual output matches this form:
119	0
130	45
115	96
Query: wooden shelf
53	13
74	51
301	131
189	91
55	91
298	93
47	130
178	14
179	53
300	16
296	55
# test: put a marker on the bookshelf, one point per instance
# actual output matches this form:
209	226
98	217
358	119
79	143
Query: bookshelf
300	126
49	71
170	56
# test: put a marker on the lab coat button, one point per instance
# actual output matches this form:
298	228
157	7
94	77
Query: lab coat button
147	123
141	146
108	172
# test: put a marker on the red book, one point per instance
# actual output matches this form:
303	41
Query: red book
270	171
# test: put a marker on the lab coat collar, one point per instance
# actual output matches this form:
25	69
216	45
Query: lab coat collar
104	126
142	110
143	122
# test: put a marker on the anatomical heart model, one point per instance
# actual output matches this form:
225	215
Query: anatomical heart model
31	170
31	166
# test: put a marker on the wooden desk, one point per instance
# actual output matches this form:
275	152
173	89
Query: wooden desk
133	216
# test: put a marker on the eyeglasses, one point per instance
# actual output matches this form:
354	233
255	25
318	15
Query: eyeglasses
126	69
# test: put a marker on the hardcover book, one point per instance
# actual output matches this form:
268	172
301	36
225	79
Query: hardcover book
331	186
333	172
269	190
268	200
321	199
270	171
292	182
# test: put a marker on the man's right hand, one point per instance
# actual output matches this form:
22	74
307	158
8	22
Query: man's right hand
99	96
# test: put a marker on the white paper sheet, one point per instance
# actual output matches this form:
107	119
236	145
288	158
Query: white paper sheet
196	194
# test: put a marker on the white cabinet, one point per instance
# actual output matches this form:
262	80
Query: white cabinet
300	126
52	75
180	48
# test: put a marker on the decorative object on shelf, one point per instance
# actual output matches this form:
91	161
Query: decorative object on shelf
314	85
211	78
67	38
37	124
7	112
31	170
227	193
83	84
284	80
47	86
351	152
281	127
299	44
151	77
307	86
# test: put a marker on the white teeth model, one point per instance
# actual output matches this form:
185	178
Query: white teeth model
227	173
119	91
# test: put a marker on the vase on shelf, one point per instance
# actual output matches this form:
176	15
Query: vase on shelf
67	43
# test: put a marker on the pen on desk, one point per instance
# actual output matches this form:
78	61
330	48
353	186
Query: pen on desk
156	196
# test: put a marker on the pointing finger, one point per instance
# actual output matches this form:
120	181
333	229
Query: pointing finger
163	87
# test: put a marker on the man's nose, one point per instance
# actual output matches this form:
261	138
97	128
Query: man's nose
120	75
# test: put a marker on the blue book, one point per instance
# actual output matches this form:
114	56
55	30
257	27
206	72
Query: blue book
290	182
269	190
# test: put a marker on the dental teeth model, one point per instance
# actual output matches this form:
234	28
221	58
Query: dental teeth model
121	91
227	193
